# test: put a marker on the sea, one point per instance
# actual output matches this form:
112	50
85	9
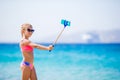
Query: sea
66	62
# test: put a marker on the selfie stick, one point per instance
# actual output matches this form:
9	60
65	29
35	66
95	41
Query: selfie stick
65	23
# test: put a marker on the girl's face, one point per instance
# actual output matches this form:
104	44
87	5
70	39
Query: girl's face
28	31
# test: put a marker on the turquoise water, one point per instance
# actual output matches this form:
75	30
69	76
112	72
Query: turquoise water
65	62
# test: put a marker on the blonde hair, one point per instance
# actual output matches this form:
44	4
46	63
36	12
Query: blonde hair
23	27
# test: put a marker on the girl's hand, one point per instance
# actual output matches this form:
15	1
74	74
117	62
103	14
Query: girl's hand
50	47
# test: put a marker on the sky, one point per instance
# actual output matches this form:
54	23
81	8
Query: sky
92	21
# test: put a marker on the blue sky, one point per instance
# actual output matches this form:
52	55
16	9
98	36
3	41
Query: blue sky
91	20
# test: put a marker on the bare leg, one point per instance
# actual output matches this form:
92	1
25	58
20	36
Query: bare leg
25	72
33	75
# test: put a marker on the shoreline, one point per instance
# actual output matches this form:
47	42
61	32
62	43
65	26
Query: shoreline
63	43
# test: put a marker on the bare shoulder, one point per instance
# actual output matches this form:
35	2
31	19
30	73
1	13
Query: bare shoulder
24	42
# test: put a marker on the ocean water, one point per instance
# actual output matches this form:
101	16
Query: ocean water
65	62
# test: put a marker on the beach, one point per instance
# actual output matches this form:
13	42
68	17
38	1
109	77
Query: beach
65	62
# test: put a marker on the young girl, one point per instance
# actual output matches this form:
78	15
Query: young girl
27	67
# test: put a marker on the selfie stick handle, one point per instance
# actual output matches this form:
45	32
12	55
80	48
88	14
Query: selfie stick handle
57	38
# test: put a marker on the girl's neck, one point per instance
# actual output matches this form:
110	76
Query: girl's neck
25	37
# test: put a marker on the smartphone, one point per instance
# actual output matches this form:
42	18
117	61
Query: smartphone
65	22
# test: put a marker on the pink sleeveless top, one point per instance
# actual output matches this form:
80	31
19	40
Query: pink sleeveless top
27	48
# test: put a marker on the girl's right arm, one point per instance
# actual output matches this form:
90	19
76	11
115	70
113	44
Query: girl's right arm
50	47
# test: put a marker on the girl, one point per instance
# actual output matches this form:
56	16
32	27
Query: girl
27	67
